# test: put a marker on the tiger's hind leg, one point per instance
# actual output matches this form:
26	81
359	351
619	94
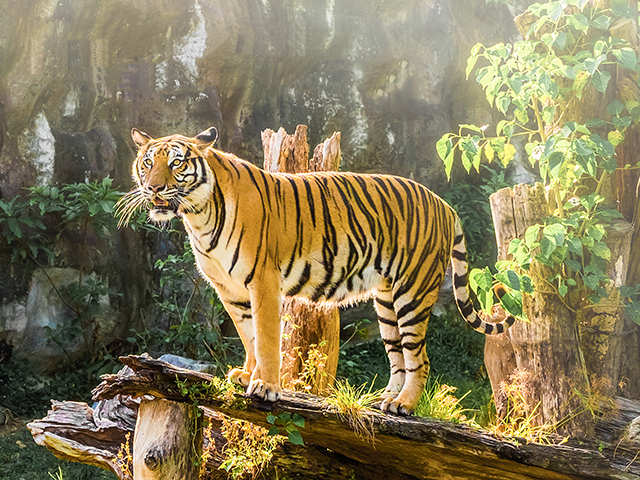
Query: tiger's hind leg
388	325
412	326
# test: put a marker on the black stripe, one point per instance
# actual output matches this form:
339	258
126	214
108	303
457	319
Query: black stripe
237	251
476	323
459	255
312	209
387	321
458	239
419	367
488	328
245	305
304	278
459	280
466	309
385	304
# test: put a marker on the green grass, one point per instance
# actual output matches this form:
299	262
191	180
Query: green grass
22	459
27	394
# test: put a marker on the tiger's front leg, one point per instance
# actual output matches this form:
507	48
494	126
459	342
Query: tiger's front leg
265	298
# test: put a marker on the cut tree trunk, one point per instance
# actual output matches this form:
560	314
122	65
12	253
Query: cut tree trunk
565	357
307	330
168	441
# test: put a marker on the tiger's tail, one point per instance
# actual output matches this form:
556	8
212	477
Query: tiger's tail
461	288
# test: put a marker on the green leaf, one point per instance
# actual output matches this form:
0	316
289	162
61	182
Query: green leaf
298	420
480	279
615	108
444	146
274	431
601	250
508	154
599	47
600	80
13	225
531	235
556	231
627	57
514	280
616	137
512	303
579	22
295	438
601	22
562	288
271	418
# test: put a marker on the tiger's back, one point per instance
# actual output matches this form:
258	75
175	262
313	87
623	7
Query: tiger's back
331	238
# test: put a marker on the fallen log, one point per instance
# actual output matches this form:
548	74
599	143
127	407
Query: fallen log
410	447
75	432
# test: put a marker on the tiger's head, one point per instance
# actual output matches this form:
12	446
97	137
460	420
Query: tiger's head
171	175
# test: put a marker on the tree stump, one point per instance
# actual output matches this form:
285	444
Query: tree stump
305	327
567	354
167	442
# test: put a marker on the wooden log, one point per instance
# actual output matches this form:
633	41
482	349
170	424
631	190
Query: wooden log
305	327
413	447
75	432
168	441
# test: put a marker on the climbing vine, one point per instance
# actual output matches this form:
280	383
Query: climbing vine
537	84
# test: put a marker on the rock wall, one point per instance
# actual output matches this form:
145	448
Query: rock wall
76	75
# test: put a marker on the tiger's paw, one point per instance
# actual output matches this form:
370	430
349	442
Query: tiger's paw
395	406
239	376
389	394
269	392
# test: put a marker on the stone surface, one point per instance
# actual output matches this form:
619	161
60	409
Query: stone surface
188	363
46	332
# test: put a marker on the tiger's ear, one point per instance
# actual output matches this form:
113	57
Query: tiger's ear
140	138
208	137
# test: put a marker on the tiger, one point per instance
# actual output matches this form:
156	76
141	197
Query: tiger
330	238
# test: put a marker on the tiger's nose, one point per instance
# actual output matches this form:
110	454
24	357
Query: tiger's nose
156	188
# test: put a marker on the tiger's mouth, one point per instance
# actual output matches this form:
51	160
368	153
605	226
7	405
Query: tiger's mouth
163	210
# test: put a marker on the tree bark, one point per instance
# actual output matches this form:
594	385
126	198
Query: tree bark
570	356
168	441
307	330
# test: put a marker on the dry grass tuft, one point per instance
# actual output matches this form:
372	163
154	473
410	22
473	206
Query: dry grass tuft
438	401
351	404
522	417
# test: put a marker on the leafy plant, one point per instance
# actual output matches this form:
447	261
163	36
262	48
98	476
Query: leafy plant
23	231
249	448
287	425
191	307
568	53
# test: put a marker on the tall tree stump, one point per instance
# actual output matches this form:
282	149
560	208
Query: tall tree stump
568	353
305	327
167	441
